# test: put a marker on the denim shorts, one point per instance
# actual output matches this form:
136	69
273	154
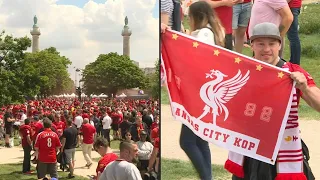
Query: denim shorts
241	15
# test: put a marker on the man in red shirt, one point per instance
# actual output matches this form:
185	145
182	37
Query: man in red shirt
25	133
155	156
60	125
101	146
223	9
116	120
47	145
88	133
36	126
293	35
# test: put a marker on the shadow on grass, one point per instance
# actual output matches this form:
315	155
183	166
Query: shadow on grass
14	172
184	170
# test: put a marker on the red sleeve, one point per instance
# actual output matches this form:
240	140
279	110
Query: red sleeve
100	166
297	68
37	141
58	143
154	133
310	81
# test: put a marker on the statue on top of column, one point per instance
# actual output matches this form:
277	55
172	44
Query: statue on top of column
35	21
126	21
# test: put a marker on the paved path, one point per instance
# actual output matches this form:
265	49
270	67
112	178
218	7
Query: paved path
15	155
170	131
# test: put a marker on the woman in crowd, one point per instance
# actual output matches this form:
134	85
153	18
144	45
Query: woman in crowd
206	27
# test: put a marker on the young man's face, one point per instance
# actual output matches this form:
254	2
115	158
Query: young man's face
100	150
134	152
266	50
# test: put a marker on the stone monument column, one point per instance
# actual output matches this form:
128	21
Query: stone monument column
126	33
35	32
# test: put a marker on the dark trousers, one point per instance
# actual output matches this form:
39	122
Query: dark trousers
228	42
293	36
26	159
106	134
99	130
143	165
198	152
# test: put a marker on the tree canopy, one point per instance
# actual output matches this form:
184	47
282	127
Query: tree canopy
49	68
111	73
25	74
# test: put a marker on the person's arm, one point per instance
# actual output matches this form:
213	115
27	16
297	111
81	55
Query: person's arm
286	20
153	158
165	11
311	94
29	140
63	142
10	119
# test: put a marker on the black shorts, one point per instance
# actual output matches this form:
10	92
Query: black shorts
46	168
16	127
115	127
9	130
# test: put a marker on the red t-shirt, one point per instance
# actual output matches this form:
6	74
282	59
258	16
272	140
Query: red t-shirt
295	3
25	130
35	129
47	141
155	133
104	161
60	126
88	133
225	15
63	119
246	1
154	125
85	115
157	143
115	118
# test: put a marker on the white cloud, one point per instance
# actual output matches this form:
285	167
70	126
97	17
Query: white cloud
81	34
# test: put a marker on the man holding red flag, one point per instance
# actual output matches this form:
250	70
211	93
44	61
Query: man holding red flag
266	43
234	114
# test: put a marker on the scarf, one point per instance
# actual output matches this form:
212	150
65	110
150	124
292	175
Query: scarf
290	157
139	129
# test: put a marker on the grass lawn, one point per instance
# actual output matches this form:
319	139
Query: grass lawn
13	172
183	170
310	56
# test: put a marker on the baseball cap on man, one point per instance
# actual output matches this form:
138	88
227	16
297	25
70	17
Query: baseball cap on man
143	133
265	30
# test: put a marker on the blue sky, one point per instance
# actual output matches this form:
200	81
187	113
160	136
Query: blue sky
81	3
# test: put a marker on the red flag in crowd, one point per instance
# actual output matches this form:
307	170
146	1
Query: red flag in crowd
226	98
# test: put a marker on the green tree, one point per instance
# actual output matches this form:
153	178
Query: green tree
12	87
49	69
111	73
156	81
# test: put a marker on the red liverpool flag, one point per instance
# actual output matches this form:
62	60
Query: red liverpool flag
226	98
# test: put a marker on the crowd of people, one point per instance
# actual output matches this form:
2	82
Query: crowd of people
266	23
53	128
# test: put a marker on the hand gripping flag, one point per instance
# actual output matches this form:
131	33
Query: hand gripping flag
226	98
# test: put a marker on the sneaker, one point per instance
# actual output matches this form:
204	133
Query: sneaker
88	165
70	176
28	173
